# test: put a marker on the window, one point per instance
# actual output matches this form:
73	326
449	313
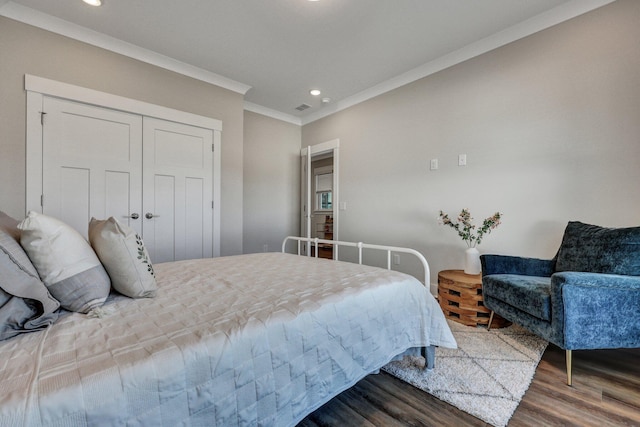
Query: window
324	201
324	187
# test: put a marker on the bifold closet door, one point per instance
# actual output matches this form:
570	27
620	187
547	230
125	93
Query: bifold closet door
91	164
177	190
154	175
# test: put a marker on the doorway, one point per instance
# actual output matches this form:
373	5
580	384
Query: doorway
319	196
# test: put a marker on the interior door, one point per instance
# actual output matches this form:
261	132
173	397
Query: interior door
177	190
91	164
305	210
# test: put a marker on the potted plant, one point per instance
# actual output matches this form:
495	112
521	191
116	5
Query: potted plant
471	235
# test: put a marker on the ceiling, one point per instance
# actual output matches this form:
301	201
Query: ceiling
277	50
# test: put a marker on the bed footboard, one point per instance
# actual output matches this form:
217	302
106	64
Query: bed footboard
361	246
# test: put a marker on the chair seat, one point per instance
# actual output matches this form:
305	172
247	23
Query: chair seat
531	294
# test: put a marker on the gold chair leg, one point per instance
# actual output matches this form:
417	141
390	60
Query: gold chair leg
490	320
568	356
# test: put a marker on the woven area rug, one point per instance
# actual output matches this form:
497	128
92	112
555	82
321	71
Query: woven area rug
486	376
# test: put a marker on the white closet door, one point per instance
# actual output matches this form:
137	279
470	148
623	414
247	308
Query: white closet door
91	164
177	190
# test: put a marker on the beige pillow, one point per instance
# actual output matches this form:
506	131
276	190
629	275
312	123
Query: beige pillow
124	256
67	265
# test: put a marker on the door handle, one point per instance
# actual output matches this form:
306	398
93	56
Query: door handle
149	215
134	216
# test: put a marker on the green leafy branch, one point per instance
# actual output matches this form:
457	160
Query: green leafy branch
466	230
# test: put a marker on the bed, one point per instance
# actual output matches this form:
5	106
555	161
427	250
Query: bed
258	339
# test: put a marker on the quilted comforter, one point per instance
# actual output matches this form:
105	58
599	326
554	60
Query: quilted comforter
261	339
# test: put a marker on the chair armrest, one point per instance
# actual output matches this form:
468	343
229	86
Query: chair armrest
596	310
505	264
594	282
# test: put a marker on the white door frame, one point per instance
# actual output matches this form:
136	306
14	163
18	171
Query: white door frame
332	147
38	87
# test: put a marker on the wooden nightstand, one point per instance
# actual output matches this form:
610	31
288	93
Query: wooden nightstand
460	297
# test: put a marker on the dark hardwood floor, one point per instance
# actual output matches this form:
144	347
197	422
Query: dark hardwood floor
605	392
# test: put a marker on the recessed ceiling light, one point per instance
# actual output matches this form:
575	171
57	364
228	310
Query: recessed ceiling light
93	2
315	92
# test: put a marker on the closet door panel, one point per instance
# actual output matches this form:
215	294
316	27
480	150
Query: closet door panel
118	194
160	231
194	217
177	190
75	189
92	161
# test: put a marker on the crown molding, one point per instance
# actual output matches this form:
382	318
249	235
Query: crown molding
526	28
59	26
274	114
68	91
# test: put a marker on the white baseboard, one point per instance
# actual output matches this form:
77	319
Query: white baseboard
433	287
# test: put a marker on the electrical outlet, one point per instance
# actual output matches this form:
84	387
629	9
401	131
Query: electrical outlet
434	164
396	259
462	160
265	248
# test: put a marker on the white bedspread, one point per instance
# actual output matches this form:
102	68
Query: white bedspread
258	339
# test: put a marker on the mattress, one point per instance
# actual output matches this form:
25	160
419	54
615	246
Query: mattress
261	339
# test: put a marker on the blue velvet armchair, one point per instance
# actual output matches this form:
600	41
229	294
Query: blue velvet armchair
586	297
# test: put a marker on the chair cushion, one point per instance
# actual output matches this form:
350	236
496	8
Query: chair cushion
594	249
531	294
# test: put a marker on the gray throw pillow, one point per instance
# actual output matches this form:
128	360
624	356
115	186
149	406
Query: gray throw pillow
10	225
25	303
65	262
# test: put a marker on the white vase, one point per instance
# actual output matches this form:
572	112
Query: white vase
472	261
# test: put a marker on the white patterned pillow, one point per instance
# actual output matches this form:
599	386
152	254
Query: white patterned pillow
124	256
65	262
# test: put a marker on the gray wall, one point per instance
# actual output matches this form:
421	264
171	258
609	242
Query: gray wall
550	125
271	182
28	50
